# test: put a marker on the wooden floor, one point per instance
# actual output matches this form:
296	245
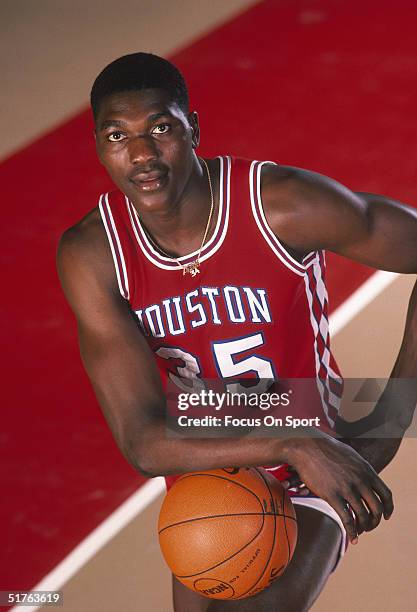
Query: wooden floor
50	53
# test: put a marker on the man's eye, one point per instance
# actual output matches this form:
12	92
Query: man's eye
116	136
162	128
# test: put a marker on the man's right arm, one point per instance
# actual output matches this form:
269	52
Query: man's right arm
124	374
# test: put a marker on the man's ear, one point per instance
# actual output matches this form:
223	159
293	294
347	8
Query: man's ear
195	128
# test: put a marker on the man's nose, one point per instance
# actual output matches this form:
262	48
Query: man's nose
143	150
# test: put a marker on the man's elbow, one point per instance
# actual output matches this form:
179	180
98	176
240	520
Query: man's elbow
143	459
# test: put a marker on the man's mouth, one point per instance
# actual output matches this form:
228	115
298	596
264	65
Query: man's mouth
150	181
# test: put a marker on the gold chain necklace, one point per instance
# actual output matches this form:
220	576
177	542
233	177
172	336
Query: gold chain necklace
192	268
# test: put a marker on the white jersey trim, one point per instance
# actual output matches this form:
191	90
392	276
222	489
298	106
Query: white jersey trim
211	247
114	242
262	223
310	259
320	328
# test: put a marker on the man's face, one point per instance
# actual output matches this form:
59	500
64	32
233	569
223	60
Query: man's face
145	142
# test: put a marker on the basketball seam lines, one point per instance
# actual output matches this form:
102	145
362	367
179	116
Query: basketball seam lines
263	514
273	542
285	527
228	558
222	478
189	520
210	516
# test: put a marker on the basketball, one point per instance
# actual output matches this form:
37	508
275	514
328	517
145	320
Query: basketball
227	533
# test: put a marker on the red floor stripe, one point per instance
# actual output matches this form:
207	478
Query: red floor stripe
318	84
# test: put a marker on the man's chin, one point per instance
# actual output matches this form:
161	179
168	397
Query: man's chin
150	201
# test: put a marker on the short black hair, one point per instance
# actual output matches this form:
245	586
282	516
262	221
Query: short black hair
139	71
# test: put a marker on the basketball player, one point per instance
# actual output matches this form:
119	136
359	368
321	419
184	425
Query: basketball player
213	268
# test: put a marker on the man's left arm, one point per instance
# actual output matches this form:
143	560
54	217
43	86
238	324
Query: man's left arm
391	245
394	410
389	239
308	212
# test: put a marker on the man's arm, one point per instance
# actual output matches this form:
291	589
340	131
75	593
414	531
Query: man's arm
123	372
396	406
308	211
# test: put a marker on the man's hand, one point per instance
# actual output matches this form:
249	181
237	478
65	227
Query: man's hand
334	471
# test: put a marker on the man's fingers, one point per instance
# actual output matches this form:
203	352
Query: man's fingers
347	517
366	504
360	511
385	495
294	480
294	483
374	506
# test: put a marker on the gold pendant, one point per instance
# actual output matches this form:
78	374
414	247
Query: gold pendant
192	268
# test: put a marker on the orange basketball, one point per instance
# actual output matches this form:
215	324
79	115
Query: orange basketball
227	533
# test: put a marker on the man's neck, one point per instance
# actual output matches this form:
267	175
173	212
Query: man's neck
179	230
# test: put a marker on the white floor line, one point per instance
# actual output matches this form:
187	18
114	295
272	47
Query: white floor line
147	493
360	299
97	539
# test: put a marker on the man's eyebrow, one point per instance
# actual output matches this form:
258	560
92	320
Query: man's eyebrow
108	123
115	123
156	116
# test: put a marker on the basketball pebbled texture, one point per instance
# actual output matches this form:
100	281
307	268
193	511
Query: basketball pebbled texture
227	533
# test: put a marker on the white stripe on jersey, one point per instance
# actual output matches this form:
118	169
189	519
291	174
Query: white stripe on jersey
322	327
262	223
103	207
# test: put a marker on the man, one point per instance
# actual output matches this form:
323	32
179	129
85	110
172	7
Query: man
215	268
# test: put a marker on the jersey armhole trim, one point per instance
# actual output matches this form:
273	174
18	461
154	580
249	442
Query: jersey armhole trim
259	214
115	246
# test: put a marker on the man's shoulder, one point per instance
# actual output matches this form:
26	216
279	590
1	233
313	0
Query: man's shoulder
86	239
286	194
305	208
86	232
84	256
294	189
290	181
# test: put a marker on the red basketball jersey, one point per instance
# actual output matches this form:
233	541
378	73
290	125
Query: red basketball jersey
252	308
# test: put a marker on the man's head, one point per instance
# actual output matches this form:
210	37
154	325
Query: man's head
145	134
136	72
